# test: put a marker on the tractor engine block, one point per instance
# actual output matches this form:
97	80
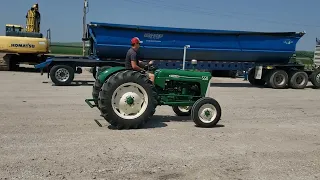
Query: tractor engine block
182	88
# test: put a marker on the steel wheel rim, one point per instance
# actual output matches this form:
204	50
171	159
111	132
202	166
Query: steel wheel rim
203	113
121	100
62	74
184	108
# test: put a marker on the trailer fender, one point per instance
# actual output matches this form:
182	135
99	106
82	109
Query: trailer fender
43	64
108	72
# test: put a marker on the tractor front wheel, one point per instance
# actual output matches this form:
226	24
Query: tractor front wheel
206	112
182	110
127	100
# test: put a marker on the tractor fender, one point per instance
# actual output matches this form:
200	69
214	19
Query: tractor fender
108	72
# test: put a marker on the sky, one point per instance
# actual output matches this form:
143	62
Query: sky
64	17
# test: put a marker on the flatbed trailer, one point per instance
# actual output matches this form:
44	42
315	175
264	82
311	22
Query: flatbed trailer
62	69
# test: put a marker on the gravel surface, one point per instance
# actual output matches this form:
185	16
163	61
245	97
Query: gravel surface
48	132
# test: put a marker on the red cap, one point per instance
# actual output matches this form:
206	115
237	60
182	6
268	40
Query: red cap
135	40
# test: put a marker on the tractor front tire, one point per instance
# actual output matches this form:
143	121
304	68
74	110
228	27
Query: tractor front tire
206	112
182	110
127	100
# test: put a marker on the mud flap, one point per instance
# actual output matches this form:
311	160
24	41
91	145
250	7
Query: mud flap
258	72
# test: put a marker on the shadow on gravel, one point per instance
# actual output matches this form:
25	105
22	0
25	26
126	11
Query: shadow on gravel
78	83
158	121
26	70
248	85
244	85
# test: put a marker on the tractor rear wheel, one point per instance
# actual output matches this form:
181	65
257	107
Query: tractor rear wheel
127	100
206	112
97	85
182	110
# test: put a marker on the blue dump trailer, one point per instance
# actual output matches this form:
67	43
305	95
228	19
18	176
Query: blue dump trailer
162	43
267	56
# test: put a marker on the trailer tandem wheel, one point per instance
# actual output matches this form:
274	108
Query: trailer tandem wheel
62	75
298	79
277	79
315	78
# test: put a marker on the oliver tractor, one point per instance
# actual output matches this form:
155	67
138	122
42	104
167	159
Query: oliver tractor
127	99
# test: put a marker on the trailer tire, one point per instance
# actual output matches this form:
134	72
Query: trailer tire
180	111
129	85
301	77
315	78
62	75
253	81
273	80
201	107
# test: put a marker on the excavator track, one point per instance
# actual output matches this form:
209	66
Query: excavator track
4	62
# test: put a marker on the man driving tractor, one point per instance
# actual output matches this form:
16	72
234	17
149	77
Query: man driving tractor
133	58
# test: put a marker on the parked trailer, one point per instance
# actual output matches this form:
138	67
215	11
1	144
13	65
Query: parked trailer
266	54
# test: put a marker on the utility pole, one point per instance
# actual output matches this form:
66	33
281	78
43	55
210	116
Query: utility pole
84	24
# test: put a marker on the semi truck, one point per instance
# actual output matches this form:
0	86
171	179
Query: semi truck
267	56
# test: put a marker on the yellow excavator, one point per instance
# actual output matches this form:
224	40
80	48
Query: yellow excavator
21	45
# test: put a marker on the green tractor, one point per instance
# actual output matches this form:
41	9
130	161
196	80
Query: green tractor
127	99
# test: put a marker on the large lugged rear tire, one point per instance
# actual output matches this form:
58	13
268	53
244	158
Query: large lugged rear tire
127	100
97	85
206	112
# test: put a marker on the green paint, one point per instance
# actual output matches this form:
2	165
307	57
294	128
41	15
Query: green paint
207	113
129	100
102	76
174	87
163	75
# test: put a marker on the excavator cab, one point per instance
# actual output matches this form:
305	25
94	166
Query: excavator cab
13	28
32	25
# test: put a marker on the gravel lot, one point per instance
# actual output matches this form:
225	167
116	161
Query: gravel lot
48	132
